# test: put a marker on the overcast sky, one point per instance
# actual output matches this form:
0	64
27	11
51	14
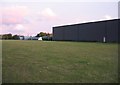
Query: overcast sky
29	17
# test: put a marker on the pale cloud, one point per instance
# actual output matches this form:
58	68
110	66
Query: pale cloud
0	29
14	29
85	20
19	27
47	14
14	14
13	19
108	17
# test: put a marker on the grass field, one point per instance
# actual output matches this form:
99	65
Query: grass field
59	62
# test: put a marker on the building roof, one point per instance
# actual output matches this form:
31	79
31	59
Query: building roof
86	23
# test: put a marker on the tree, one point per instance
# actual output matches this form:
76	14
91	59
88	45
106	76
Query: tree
41	34
9	36
16	37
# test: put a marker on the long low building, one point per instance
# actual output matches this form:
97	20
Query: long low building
100	31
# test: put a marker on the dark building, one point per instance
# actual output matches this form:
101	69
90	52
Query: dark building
100	31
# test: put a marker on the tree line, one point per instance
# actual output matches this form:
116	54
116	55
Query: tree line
9	37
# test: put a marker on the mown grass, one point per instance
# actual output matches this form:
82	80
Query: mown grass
59	62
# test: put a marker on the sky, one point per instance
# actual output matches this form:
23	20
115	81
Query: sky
29	17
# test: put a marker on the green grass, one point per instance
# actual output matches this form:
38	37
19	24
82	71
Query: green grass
59	62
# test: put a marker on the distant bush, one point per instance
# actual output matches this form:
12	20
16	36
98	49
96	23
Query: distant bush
16	37
47	38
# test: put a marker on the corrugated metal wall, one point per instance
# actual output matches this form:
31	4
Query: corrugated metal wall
94	31
58	33
112	31
91	31
71	33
